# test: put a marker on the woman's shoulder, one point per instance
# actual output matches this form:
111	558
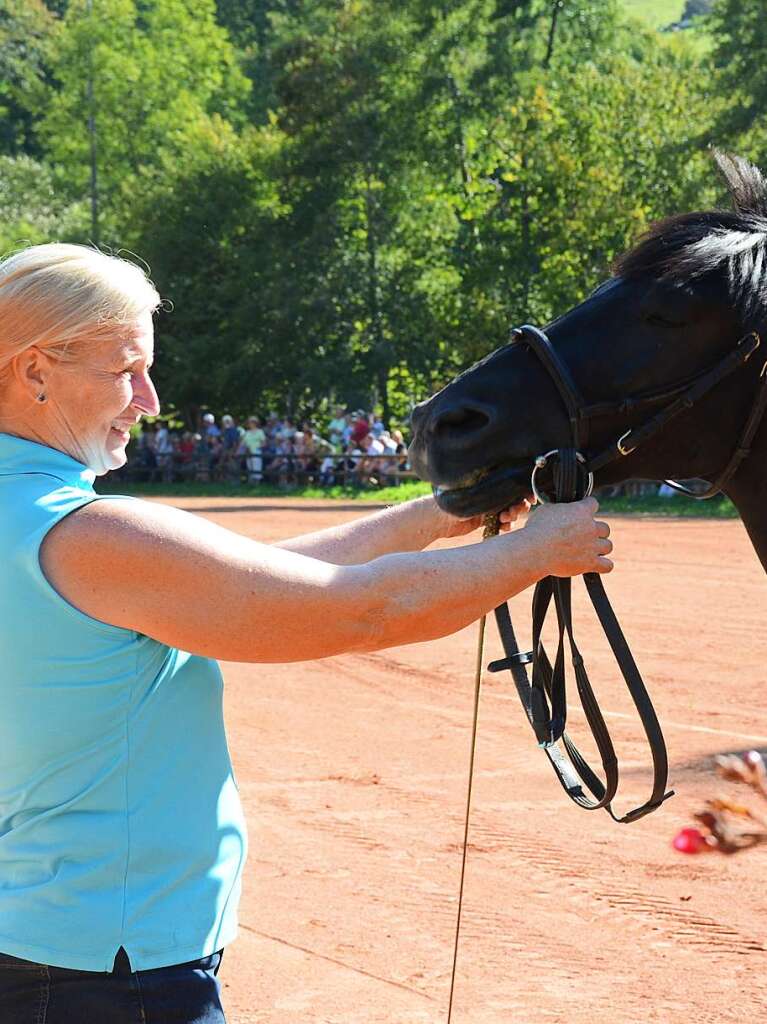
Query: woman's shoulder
118	518
29	500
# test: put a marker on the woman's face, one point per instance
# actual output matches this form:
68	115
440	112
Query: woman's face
93	403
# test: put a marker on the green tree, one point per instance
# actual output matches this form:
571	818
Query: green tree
739	31
212	244
345	92
414	177
561	153
31	208
26	32
163	75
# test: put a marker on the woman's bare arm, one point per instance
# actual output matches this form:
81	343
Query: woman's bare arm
411	526
197	586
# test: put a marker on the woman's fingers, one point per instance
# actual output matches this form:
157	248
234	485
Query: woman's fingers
509	515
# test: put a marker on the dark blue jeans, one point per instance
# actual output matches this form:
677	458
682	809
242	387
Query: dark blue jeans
33	993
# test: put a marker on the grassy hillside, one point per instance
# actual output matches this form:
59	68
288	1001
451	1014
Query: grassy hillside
658	13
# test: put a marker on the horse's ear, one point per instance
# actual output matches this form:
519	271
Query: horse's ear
745	183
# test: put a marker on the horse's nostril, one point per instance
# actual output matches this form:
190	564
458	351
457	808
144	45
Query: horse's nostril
462	419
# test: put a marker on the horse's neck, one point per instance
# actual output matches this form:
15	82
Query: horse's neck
748	491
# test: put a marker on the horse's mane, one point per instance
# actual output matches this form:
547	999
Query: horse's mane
730	244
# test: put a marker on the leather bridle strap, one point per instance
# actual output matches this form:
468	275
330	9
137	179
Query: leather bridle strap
700	386
544	696
560	375
743	449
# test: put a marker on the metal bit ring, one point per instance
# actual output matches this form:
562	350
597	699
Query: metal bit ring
541	462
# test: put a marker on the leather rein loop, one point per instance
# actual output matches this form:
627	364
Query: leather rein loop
542	692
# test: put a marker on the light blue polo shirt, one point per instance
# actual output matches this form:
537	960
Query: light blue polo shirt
120	820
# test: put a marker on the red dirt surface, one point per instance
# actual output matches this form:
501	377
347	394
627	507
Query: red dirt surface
353	772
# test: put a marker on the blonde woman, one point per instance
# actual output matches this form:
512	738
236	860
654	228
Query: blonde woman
122	840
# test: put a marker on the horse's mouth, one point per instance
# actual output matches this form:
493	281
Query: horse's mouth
490	490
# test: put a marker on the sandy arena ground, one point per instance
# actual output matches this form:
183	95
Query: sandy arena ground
353	772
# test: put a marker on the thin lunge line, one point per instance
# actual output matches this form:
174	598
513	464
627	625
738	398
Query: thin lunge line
491	528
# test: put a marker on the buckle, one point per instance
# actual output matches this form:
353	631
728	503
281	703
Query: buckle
620	446
748	337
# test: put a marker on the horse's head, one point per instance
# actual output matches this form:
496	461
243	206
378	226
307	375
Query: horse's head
678	303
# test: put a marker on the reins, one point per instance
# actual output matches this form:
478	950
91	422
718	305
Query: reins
543	692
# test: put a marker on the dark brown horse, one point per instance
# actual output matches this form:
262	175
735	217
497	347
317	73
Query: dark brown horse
678	304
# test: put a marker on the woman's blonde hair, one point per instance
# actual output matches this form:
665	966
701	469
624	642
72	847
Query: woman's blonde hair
62	298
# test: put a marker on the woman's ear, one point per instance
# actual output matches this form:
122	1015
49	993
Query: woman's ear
32	372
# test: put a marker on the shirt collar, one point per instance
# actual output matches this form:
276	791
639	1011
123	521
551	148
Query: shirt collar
20	455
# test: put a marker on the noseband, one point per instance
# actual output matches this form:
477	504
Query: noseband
543	694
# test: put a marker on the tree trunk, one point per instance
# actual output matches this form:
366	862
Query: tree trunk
380	348
555	9
460	144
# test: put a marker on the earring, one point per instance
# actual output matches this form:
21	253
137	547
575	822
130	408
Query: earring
41	398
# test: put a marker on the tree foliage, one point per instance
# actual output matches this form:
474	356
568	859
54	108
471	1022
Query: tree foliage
351	199
739	29
163	76
26	33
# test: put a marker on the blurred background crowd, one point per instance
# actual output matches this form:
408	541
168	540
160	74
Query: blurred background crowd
353	448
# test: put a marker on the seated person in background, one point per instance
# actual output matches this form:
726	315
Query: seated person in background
360	427
288	429
186	450
337	426
164	451
231	434
282	466
202	458
210	428
216	450
370	467
303	446
328	468
253	442
147	456
231	437
322	447
351	462
389	463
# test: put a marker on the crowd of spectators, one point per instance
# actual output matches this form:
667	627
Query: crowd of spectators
356	448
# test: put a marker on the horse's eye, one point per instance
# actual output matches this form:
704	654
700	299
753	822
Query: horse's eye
662	321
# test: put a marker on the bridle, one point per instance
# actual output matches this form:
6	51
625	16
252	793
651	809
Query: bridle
543	694
678	397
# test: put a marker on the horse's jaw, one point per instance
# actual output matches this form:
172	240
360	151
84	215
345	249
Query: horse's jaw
748	492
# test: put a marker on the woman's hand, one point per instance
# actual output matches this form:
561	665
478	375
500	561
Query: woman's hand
575	541
449	526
